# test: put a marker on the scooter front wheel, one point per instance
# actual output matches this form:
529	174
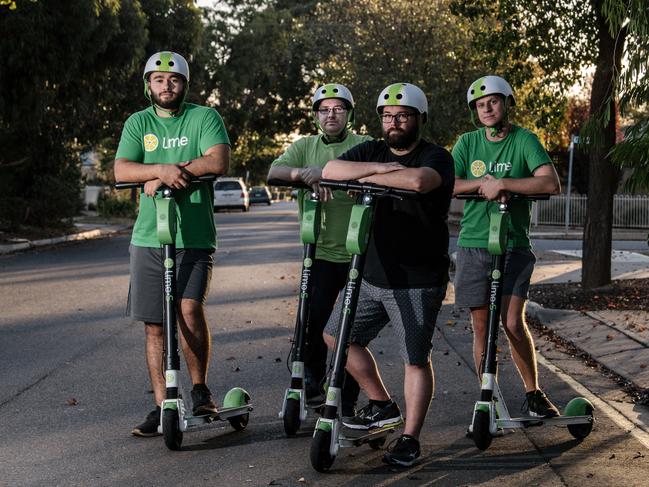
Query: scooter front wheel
173	436
321	458
481	434
292	416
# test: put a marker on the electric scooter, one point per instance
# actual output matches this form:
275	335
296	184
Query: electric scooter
294	407
330	434
490	414
175	419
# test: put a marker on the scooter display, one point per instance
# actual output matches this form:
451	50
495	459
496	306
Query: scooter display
175	419
330	434
490	414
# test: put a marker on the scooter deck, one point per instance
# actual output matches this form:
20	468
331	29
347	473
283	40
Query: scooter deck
524	422
353	437
221	415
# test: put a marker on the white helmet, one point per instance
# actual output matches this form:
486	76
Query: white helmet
403	94
332	90
168	62
488	85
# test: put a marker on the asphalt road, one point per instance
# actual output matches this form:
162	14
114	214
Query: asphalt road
73	383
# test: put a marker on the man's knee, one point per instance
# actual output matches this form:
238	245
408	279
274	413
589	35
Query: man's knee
153	330
329	340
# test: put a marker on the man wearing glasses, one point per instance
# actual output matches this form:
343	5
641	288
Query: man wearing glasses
333	114
406	269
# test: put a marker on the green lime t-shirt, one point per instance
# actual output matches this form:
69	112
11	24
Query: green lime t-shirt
150	139
516	156
312	151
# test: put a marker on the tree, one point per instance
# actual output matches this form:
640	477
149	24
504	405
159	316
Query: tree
60	62
562	40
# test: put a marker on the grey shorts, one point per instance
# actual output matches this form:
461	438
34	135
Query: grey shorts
193	276
412	312
472	268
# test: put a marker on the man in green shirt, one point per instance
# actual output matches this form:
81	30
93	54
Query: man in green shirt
168	143
333	113
493	161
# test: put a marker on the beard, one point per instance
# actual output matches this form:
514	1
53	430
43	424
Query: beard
400	139
170	104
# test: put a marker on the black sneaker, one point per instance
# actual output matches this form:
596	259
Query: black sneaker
202	401
375	416
150	426
538	405
405	452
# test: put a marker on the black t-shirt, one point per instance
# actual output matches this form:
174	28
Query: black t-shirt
408	247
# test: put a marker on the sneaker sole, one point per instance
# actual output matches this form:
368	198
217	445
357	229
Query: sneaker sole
137	432
386	423
401	463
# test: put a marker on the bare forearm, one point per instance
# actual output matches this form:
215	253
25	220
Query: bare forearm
215	161
135	172
284	173
422	180
348	170
466	186
533	185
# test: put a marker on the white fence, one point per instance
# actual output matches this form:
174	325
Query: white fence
629	211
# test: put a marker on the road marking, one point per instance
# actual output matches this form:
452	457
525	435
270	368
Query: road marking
634	428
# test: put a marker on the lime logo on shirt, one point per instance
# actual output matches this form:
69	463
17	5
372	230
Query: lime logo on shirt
478	168
499	167
150	142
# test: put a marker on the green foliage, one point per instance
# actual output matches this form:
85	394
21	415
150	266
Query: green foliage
112	205
72	73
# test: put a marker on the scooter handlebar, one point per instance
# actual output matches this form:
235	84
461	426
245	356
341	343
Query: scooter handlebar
512	197
372	188
197	179
290	184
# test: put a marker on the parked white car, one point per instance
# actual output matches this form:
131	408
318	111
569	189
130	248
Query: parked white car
231	193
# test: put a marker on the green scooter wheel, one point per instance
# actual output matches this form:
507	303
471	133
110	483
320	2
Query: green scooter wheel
292	416
237	397
171	430
580	406
321	459
481	434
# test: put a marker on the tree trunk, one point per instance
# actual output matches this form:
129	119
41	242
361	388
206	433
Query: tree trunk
603	176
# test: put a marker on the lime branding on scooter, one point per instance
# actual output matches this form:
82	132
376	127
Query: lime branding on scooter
294	406
330	435
175	420
490	414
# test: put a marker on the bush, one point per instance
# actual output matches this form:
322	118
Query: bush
116	206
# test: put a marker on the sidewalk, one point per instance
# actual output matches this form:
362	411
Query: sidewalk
84	231
618	340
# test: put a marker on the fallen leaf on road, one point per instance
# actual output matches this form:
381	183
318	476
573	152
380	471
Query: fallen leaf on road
230	358
278	359
609	337
612	456
301	479
72	402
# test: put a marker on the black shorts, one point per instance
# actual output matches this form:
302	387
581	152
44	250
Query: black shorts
145	293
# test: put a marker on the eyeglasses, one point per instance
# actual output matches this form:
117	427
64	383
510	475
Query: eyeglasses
401	117
337	110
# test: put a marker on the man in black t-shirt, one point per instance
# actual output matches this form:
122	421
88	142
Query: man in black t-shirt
406	271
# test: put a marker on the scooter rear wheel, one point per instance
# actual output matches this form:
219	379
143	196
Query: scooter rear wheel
240	422
321	458
481	434
581	431
292	417
171	429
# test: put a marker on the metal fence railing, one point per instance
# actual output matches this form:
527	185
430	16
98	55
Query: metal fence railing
629	211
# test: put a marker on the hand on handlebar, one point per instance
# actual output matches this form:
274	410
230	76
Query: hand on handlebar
174	176
311	175
492	189
150	187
